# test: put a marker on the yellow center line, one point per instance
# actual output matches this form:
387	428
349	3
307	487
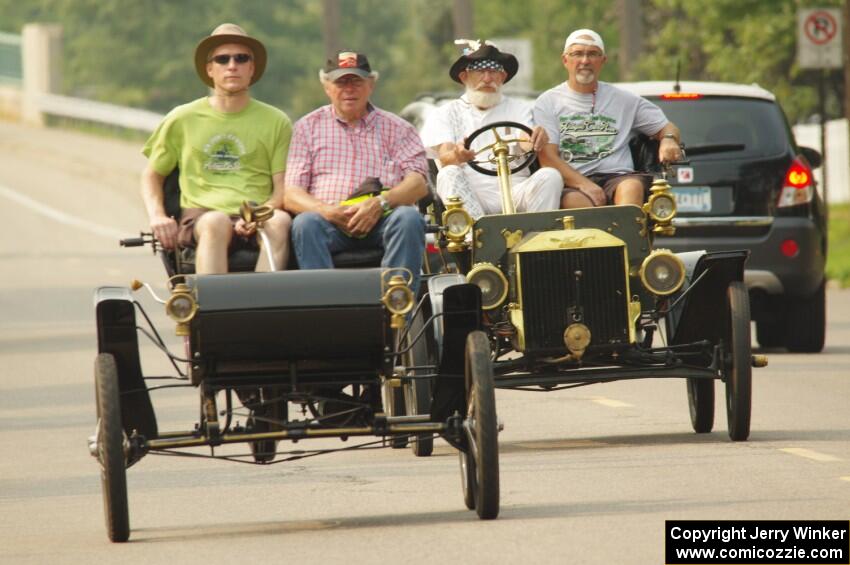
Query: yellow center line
810	454
845	478
610	402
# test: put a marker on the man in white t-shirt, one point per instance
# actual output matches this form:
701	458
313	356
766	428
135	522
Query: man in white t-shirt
590	124
483	69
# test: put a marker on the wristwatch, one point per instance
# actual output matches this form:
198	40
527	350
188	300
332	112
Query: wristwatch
385	204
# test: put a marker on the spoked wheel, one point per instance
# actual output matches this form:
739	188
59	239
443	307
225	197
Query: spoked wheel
701	404
480	463
417	392
110	448
739	378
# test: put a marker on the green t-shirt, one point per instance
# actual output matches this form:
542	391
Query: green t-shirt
224	158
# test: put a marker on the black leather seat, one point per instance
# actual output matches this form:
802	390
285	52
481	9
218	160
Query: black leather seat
245	260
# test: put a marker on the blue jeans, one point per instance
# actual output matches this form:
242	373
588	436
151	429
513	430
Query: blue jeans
401	235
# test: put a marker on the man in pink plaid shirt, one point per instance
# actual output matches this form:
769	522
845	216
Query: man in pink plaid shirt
346	149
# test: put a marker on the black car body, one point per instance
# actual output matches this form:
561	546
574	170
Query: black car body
748	185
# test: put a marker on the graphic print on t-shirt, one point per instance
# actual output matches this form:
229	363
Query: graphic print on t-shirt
223	154
586	137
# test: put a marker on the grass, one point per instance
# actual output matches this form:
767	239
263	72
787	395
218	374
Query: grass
838	256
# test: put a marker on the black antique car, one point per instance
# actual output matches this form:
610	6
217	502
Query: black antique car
295	355
582	296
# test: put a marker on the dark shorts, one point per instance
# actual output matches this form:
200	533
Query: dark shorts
610	181
186	231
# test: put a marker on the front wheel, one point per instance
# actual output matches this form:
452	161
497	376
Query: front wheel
739	377
110	448
701	404
480	463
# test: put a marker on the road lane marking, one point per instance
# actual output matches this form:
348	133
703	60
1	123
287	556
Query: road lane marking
845	478
810	454
60	216
610	402
560	444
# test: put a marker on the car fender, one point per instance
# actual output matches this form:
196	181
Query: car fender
459	304
699	315
115	311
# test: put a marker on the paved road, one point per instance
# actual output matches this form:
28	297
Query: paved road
588	476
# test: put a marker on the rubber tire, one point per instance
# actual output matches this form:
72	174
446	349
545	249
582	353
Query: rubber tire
701	404
739	371
771	332
113	474
805	329
483	475
417	393
264	450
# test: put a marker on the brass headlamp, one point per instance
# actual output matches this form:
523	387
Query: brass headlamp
662	272
181	307
661	207
458	222
398	299
492	282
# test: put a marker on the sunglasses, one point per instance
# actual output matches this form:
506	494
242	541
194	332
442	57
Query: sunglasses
240	58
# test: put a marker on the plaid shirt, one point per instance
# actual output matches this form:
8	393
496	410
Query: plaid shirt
330	158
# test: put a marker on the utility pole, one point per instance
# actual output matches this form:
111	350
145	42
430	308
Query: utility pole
631	36
462	12
330	27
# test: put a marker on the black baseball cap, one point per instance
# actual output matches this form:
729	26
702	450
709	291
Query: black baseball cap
348	63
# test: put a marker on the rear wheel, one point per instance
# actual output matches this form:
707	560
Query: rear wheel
805	329
770	332
701	404
738	363
480	464
110	448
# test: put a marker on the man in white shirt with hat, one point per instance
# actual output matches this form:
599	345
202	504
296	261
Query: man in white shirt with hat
590	123
483	69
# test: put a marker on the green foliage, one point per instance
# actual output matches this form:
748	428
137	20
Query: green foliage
838	256
734	41
139	52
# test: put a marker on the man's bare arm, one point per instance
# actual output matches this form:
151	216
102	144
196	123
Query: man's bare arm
163	227
549	157
669	138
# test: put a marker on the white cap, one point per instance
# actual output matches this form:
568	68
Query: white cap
576	37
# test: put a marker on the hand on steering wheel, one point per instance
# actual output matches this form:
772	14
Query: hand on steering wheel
502	130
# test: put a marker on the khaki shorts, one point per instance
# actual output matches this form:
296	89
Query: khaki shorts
610	181
186	231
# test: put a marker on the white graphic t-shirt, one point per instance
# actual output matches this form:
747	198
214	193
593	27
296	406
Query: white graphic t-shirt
592	131
452	122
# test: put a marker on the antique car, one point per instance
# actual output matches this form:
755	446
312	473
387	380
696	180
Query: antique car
293	356
581	296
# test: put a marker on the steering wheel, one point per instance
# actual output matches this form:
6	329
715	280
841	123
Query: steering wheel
502	130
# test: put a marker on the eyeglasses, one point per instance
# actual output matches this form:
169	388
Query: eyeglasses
592	55
240	58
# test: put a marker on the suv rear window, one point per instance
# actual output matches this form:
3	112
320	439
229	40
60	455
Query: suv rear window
757	124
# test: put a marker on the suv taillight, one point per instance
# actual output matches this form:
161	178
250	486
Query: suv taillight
798	187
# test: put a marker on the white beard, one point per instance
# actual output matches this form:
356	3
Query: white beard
585	77
484	100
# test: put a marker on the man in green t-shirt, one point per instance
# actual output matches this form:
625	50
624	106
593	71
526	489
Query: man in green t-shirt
229	148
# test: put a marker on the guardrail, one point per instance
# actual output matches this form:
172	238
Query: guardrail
101	112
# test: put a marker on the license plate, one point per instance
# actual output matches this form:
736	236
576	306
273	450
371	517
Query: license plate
692	198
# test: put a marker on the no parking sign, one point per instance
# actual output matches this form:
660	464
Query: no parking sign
819	41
